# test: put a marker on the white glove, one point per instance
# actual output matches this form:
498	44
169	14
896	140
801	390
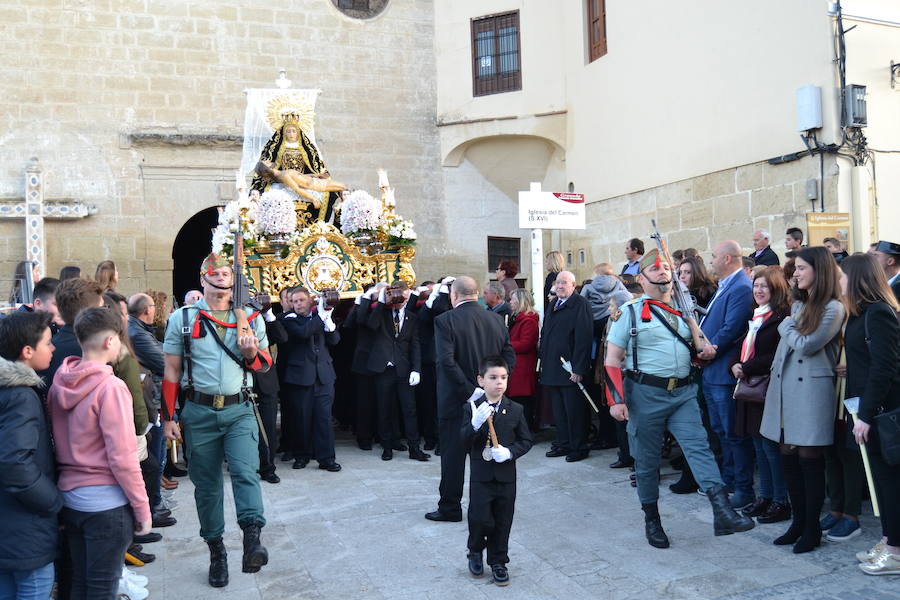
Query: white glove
421	288
414	378
269	316
381	295
478	393
369	293
480	414
325	315
321	303
501	454
430	301
448	280
444	289
359	299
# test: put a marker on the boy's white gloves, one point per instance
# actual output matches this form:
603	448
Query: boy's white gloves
500	453
414	378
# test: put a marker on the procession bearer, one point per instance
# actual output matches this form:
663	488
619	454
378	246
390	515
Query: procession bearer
657	391
214	366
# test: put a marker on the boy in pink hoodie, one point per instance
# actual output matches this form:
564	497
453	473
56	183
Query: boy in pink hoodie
104	499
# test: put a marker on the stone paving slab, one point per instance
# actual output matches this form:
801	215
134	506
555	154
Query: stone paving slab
577	534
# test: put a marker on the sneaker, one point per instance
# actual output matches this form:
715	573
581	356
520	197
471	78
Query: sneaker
828	521
844	530
134	577
741	501
883	564
871	554
132	590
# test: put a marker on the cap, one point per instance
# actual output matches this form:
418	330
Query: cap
888	247
212	262
651	258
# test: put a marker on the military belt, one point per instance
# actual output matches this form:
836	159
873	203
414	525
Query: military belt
666	383
216	400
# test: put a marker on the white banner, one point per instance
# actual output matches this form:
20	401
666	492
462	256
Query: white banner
551	210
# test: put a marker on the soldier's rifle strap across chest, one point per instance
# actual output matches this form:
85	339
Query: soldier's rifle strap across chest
186	335
665	322
240	363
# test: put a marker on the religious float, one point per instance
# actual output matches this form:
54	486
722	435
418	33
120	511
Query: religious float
298	225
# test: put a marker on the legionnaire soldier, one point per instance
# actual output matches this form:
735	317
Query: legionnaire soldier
214	366
658	391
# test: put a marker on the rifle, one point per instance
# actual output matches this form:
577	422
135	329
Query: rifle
241	287
28	283
682	298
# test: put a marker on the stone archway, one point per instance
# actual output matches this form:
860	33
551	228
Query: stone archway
192	244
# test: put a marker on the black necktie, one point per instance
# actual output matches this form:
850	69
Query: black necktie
396	323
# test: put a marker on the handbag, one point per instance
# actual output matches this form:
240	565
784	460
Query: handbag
752	389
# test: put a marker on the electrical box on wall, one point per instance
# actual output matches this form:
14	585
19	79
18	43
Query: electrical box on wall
809	107
855	106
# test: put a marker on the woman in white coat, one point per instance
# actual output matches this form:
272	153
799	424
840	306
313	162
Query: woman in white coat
800	404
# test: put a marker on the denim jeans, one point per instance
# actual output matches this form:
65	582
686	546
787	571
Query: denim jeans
737	451
97	544
27	585
157	448
771	479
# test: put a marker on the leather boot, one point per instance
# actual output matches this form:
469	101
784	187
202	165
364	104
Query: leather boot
255	554
656	535
687	484
725	519
793	479
218	563
813	472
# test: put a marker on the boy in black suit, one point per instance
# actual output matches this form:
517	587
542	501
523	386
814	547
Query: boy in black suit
492	481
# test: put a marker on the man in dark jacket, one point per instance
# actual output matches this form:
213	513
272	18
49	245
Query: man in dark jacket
309	378
567	333
396	361
463	336
494	294
888	256
266	387
355	325
763	253
29	499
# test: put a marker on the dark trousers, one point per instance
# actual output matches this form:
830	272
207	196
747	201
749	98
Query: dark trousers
156	446
310	408
453	465
150	471
737	450
285	441
491	508
267	405
365	408
622	438
97	542
426	404
570	410
389	388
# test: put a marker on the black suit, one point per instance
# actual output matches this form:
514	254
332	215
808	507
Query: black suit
568	333
309	378
266	387
768	258
463	336
395	354
492	485
426	391
895	287
365	402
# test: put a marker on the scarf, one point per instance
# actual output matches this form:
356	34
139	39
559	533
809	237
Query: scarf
748	348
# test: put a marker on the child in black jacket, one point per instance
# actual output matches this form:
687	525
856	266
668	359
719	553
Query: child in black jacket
492	480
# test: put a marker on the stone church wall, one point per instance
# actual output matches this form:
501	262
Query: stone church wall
136	106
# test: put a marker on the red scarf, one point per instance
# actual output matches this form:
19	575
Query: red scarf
646	315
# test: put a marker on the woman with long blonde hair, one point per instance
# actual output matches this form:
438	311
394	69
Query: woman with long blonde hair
554	263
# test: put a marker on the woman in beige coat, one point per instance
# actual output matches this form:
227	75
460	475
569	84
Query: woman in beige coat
800	404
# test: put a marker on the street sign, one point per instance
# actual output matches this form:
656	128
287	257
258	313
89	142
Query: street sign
551	210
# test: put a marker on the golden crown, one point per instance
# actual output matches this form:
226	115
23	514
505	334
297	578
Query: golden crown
289	108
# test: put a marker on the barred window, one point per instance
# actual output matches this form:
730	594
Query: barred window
496	64
360	9
503	248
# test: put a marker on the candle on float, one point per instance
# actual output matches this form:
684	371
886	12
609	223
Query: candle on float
389	197
382	178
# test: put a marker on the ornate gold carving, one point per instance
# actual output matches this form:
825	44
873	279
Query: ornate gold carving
325	258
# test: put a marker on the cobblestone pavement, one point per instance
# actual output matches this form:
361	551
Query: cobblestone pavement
578	533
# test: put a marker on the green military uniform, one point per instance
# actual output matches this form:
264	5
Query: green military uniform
660	393
220	423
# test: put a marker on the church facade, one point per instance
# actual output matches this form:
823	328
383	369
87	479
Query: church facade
652	110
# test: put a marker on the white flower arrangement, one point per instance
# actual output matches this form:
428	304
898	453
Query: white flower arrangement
223	234
275	214
401	232
361	212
